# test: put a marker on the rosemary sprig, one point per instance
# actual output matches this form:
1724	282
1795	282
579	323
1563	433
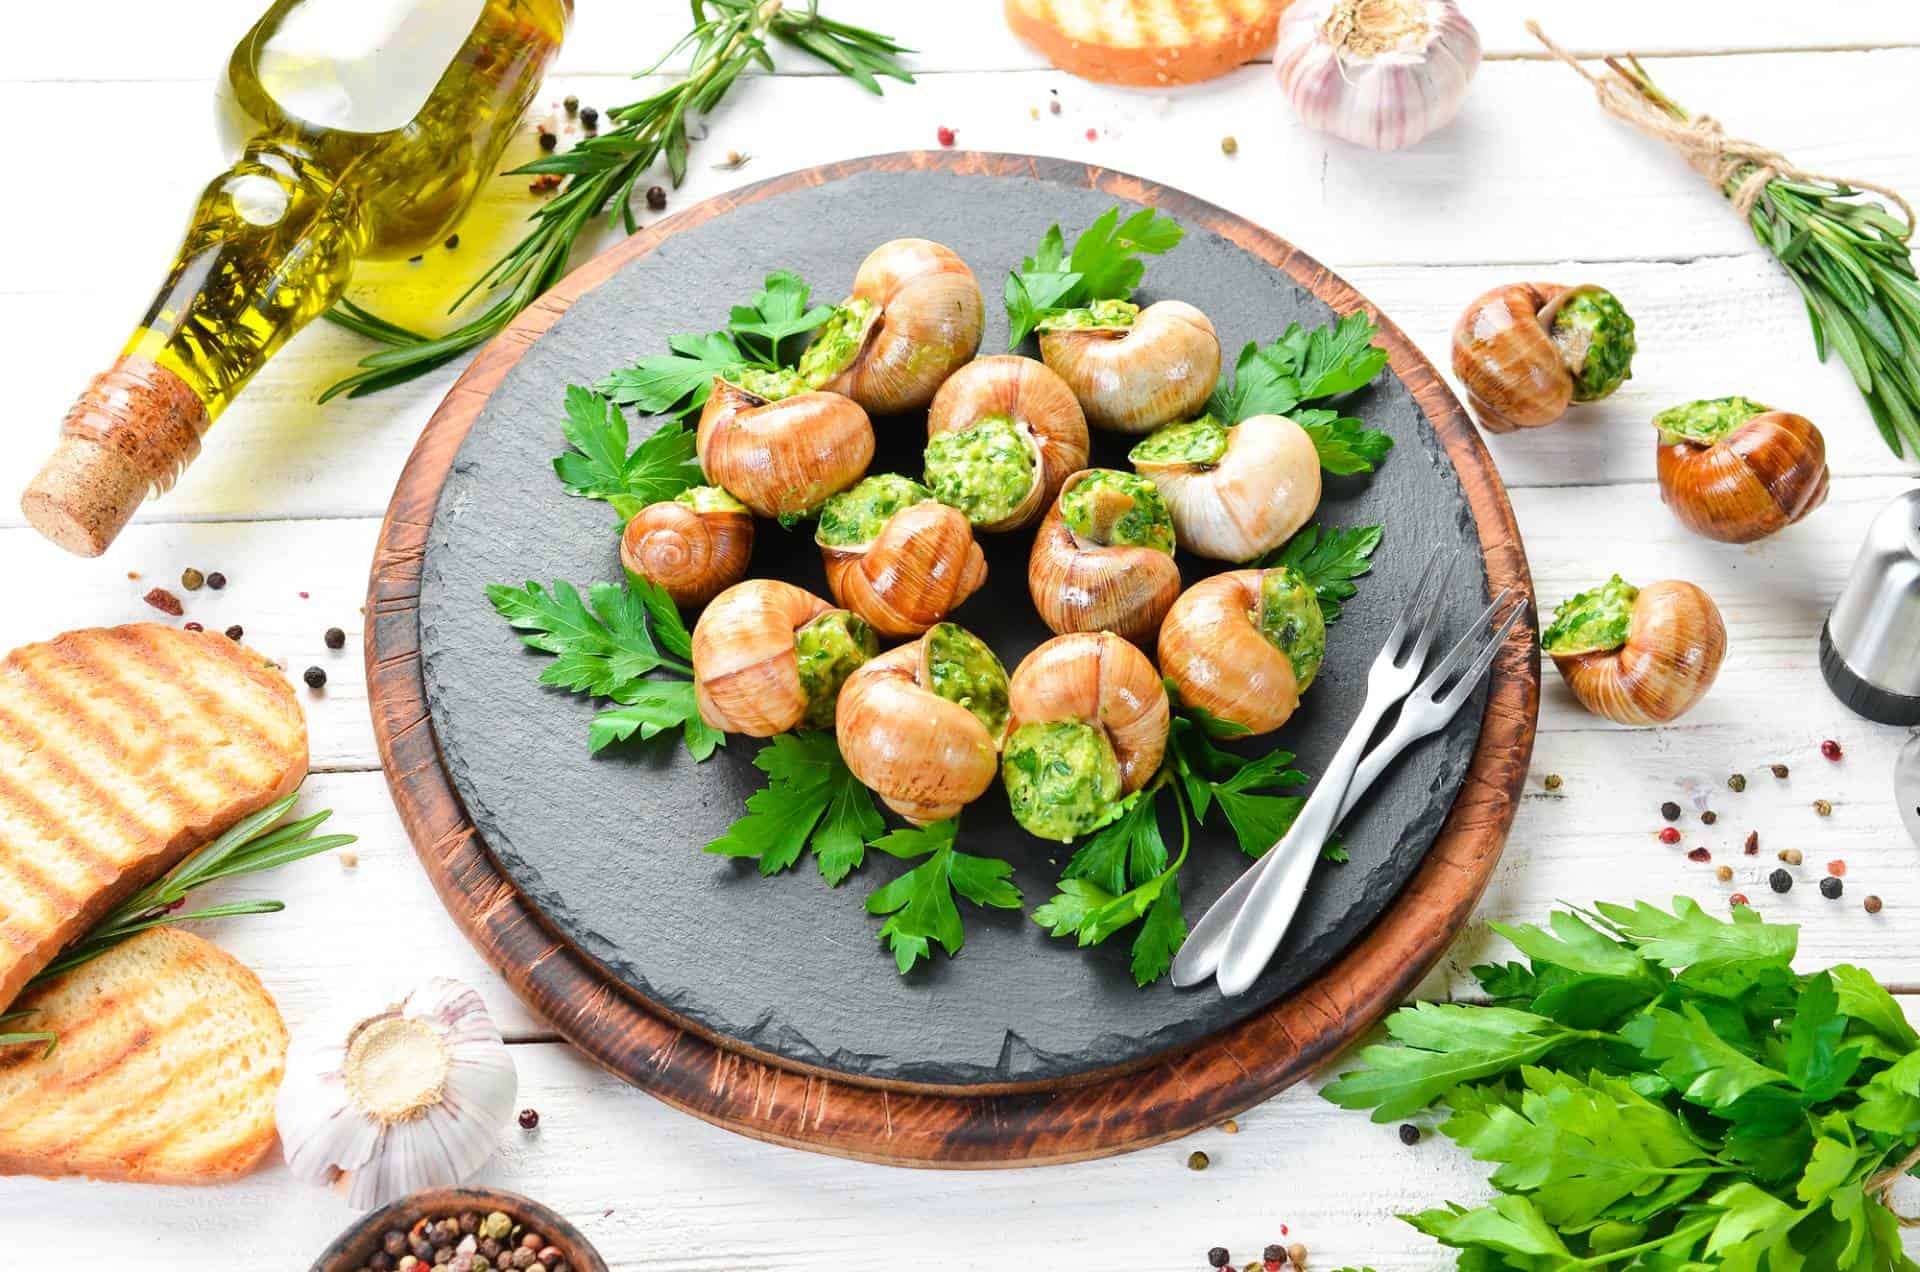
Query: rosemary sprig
22	1039
728	37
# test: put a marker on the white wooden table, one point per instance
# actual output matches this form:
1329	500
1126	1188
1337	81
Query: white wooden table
107	103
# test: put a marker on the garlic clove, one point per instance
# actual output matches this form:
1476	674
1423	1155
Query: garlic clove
412	1097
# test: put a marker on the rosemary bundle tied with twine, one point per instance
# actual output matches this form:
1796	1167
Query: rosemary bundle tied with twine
1850	256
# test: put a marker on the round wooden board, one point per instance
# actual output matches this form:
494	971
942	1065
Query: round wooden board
1212	1080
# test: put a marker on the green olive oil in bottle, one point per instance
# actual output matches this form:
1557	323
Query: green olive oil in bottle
362	129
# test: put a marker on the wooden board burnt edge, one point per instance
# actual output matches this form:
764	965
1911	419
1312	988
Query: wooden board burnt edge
1096	1116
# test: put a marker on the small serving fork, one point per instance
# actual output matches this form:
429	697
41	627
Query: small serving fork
1237	937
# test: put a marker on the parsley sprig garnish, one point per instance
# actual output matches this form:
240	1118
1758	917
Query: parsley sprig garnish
728	37
762	333
1659	1088
607	646
1105	264
1304	366
920	903
1329	559
600	467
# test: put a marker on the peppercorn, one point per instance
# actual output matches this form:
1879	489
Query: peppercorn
1872	905
589	118
1831	887
656	198
1230	1127
1668	835
470	1222
316	677
335	638
944	135
1708	816
1053	107
1197	1160
1228	146
547	141
380	1262
1836	868
415	260
453	241
1738	898
1723	873
192	626
1831	749
1779	770
549	1256
1752	846
1792	856
395	1242
191	579
216	580
529	1118
1823	807
1670	811
1553	782
236	632
164	601
1298	1254
1409	1134
1274	1253
571	104
1699	854
1218	1257
1737	783
1780	881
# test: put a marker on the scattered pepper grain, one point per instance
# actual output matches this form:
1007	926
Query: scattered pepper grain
453	241
656	198
1780	881
1723	873
216	580
571	105
1197	1160
316	677
529	1118
335	638
1670	811
1218	1257
1871	905
349	859
1831	888
192	626
1823	807
1553	782
1836	867
1230	1126
1752	846
1298	1254
1409	1134
1779	771
1228	146
164	601
192	579
1831	749
1699	854
944	135
589	118
236	632
1738	898
1708	816
1792	856
1737	783
1668	835
1053	107
548	141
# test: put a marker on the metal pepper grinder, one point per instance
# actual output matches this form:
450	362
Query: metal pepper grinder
1870	646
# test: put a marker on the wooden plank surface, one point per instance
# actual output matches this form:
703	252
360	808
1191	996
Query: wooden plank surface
1533	182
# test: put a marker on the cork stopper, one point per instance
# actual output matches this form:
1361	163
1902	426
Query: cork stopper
129	436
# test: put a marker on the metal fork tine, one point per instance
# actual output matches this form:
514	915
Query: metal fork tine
1429	619
1398	635
1471	676
1461	651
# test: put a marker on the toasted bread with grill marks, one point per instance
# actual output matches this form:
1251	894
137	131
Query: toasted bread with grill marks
121	750
1146	43
169	1057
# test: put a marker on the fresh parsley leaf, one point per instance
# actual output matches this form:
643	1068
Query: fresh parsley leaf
679	381
1088	912
920	903
1104	265
1260	821
1329	559
777	313
811	800
1124	852
1346	446
1576	946
1701	1065
1301	366
1441	1046
596	651
599	467
1510	1225
663	616
1336	852
1691	938
1162	933
650	708
1863	999
1817	1061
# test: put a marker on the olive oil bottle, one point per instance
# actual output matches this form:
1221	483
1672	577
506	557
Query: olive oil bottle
361	129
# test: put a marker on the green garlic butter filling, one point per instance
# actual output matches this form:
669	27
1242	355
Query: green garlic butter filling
1101	313
1592	621
1062	778
1595	337
829	649
985	470
1198	442
771	385
964	671
1289	617
836	343
857	515
1116	509
709	499
1707	420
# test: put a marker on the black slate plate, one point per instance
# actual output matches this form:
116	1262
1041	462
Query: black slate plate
608	847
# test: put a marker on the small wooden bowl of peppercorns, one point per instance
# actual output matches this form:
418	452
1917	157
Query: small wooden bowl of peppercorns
461	1230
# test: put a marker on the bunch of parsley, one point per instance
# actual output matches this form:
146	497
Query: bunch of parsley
1660	1090
1121	875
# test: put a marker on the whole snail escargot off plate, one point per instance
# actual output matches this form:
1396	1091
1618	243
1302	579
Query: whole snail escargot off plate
1245	645
895	556
921	725
1103	558
693	545
915	315
1087	727
1736	471
1527	350
1637	655
1234	491
769	656
1002	434
1133	369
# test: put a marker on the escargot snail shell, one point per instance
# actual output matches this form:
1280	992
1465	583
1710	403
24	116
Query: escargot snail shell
929	322
692	554
925	756
1762	477
1090	587
1134	379
1096	678
1217	658
1675	641
1263	489
917	570
1511	370
746	676
1041	406
782	458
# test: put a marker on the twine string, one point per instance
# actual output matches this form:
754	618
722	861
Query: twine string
1881	1186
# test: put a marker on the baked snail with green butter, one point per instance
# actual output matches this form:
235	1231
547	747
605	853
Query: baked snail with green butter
1002	434
1234	490
920	725
1525	351
914	317
1133	369
1087	726
692	545
1734	470
778	446
1103	558
1637	655
897	557
1245	645
769	657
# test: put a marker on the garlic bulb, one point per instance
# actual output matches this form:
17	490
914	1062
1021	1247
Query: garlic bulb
1379	73
411	1098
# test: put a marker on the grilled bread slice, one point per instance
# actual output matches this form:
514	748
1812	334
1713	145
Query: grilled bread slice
169	1057
121	750
1146	43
